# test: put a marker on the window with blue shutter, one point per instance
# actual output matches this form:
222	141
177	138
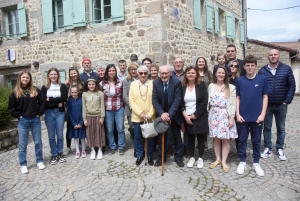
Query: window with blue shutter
117	10
15	21
217	21
47	16
242	32
79	13
230	26
62	76
209	17
68	13
197	14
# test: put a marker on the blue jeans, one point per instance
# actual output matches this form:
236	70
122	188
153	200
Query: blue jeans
55	120
255	131
279	111
110	117
24	126
139	141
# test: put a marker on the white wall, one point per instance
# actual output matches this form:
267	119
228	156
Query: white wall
296	70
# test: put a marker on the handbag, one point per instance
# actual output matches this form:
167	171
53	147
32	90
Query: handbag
148	130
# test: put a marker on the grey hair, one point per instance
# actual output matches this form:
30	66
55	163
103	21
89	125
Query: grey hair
99	66
168	67
143	68
179	58
232	61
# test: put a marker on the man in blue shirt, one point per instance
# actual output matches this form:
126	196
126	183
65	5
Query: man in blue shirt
251	105
88	73
282	89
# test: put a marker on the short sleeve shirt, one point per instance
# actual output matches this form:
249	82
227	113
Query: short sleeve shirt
251	93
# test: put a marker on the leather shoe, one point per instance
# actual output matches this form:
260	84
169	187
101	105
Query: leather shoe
159	162
179	163
139	160
150	161
134	153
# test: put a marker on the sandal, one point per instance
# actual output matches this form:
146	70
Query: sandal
215	164
225	167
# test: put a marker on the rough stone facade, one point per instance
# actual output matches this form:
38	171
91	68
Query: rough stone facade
150	29
8	140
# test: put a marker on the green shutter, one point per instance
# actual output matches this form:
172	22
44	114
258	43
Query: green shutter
62	76
229	25
68	14
47	16
22	20
242	32
79	13
197	14
217	23
117	10
209	17
233	28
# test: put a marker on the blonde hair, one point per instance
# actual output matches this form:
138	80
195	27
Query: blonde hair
48	81
132	65
31	89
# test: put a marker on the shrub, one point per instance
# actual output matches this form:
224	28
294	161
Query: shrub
5	117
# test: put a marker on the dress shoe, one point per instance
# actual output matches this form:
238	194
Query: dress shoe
134	153
150	161
159	162
139	160
170	153
179	163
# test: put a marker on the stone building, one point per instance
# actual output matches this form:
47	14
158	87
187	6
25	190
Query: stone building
60	33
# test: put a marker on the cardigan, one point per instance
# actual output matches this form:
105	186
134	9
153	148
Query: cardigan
231	101
138	105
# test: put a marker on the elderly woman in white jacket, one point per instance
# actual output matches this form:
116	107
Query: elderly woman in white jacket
221	107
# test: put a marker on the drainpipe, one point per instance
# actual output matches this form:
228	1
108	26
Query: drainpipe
244	16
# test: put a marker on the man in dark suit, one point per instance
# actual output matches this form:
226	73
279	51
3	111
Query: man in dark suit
166	98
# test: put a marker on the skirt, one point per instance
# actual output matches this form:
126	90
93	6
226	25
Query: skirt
95	134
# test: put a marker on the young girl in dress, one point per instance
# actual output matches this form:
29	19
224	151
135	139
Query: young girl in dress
93	112
222	62
76	127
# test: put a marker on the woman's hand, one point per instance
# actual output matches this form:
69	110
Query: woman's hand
85	123
142	115
231	122
188	120
193	116
101	121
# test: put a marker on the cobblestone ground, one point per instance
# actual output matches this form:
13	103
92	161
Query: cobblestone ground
118	178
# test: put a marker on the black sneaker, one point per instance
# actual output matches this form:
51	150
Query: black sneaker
111	151
121	151
53	160
61	158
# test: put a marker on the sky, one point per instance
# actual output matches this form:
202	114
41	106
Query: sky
273	26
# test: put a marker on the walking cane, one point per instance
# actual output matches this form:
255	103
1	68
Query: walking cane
146	148
162	153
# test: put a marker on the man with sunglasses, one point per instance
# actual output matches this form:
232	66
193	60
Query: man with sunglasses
231	55
88	73
282	89
166	99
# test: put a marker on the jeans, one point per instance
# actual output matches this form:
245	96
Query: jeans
55	120
24	126
255	131
279	111
139	141
110	117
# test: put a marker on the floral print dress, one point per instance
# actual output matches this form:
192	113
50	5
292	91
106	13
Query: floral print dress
218	118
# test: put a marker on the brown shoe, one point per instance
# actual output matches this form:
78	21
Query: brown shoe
187	152
170	153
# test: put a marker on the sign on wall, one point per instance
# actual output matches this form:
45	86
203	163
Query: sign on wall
11	55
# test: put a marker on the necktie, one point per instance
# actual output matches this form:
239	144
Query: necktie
166	97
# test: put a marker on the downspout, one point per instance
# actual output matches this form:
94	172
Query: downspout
244	16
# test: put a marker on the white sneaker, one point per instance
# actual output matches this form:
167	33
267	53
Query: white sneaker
93	155
191	162
241	168
200	163
99	154
281	155
267	152
24	169
40	165
258	170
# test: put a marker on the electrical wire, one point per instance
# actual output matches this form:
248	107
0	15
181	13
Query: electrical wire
274	9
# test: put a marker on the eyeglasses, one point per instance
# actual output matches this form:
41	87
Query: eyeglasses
134	69
143	73
164	73
236	66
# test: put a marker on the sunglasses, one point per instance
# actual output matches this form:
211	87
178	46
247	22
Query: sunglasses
190	67
143	73
236	66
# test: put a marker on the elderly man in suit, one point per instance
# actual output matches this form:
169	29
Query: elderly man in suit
166	98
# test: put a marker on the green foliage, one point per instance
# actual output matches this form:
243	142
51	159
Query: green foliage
5	117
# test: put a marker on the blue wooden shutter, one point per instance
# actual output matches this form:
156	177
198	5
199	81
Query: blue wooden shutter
229	25
79	13
47	16
233	28
117	10
242	32
22	19
68	14
197	14
62	76
209	16
217	23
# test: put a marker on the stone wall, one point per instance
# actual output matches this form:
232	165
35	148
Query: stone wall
9	140
150	29
261	53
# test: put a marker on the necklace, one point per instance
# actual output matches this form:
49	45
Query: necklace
145	94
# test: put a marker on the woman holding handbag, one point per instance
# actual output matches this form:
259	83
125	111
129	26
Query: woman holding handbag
140	99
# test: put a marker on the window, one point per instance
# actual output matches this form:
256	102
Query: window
15	21
209	17
103	11
230	26
12	81
59	15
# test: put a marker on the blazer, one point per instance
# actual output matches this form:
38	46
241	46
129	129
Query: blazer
200	125
126	89
174	98
231	104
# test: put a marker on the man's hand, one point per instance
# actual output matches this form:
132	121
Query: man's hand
240	119
165	117
260	118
